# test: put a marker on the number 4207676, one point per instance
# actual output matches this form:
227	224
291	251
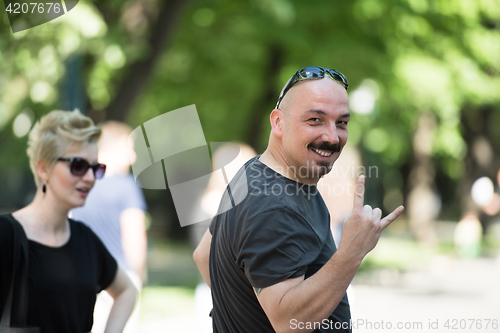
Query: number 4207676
454	324
17	8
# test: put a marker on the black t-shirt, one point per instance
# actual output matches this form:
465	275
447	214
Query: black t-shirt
63	281
280	230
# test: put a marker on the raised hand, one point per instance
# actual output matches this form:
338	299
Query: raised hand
361	230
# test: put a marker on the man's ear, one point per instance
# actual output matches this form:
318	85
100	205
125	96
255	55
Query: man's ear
277	122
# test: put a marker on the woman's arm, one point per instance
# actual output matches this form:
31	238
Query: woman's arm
134	240
124	294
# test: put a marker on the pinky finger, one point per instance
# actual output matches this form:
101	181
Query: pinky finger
391	217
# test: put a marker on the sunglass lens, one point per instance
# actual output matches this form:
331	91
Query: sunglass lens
318	72
339	77
79	167
312	72
99	171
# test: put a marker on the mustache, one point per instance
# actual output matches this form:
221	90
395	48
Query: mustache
325	146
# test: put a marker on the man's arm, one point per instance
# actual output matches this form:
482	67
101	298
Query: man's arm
202	255
134	239
315	298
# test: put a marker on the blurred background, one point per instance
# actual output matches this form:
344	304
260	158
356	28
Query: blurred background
424	87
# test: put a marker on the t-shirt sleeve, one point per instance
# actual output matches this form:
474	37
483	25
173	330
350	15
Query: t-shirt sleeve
276	245
211	227
107	265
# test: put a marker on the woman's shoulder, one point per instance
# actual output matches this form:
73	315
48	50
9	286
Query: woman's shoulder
82	232
6	230
5	224
80	227
83	237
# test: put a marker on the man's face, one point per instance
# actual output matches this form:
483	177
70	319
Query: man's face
315	127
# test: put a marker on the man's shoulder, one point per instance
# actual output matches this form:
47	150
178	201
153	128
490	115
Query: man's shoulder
261	212
266	196
285	212
278	197
263	203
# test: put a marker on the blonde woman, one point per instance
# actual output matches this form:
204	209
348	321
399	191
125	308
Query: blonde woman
68	264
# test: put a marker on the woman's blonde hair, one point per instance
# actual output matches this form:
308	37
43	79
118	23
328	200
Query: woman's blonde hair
52	136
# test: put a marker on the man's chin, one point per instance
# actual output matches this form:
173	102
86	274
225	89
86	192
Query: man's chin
323	170
320	169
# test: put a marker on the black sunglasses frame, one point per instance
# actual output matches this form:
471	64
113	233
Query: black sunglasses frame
86	165
313	73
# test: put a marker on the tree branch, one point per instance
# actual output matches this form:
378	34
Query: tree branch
140	72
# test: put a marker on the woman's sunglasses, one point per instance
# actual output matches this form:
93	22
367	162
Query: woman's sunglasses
79	166
309	73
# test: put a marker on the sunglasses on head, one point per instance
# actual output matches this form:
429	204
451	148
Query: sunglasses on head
313	73
79	166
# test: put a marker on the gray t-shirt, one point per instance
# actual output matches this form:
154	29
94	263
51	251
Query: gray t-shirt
280	230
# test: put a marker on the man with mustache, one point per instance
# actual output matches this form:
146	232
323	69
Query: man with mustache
271	261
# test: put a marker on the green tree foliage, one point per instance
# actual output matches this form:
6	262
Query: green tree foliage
231	58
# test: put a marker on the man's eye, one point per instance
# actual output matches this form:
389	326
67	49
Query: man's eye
314	120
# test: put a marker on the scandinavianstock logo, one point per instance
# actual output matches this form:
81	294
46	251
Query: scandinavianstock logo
26	14
172	153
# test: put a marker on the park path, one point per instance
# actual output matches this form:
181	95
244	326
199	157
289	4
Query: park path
466	293
449	296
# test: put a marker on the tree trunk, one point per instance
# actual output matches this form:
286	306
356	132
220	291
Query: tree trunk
140	72
479	160
422	199
268	97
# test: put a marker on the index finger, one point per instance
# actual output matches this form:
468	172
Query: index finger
359	193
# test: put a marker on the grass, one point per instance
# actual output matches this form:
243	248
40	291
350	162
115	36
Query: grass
171	264
160	302
405	254
395	253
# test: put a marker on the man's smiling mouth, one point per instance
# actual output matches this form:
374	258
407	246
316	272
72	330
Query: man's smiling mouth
324	153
